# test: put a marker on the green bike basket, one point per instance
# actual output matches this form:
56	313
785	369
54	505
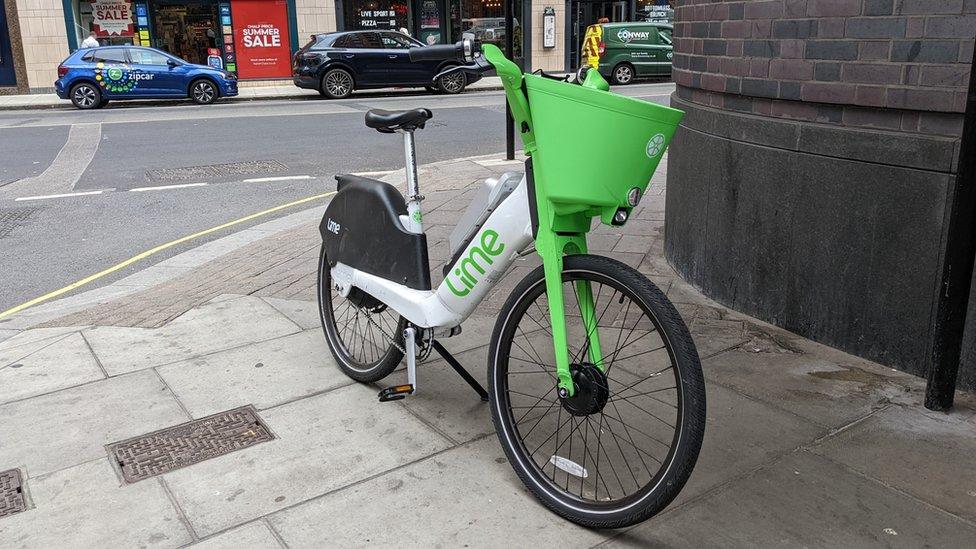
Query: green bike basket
594	146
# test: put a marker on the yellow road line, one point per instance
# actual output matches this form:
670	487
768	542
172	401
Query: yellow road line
155	250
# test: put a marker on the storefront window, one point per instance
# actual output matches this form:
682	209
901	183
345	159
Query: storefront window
484	22
115	21
655	10
376	15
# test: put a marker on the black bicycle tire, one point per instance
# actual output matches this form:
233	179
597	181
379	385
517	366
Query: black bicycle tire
686	450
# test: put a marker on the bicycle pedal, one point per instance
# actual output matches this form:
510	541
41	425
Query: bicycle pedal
397	392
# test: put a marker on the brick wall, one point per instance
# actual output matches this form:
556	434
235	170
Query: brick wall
891	64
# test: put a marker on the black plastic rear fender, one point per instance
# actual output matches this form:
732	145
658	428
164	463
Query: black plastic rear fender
361	228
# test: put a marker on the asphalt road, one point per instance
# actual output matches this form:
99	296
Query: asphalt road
47	243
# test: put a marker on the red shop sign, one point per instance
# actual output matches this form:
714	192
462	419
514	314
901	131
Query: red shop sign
261	38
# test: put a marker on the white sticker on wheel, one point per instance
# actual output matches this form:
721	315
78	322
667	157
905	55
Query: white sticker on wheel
569	466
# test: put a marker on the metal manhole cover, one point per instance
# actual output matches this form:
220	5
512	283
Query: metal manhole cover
175	447
216	170
12	218
11	493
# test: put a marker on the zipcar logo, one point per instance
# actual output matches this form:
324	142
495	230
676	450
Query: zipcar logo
627	36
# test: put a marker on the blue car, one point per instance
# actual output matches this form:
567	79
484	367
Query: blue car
90	78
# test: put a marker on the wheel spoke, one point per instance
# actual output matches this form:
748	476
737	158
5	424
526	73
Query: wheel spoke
637	417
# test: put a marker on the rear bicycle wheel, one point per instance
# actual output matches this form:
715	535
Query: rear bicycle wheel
364	335
620	449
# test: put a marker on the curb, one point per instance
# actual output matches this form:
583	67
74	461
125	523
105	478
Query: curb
64	104
185	261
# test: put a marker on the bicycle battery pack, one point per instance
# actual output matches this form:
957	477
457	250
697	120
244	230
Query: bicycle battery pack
361	228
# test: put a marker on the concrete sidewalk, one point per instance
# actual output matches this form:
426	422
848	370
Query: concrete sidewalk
248	91
804	446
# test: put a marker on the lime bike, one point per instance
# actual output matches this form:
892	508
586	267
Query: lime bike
594	383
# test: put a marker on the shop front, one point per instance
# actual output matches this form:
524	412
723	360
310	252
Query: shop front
253	38
8	76
433	21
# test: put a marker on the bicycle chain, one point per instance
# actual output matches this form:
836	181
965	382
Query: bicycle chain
392	340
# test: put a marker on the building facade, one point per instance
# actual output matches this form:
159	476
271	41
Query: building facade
809	182
256	38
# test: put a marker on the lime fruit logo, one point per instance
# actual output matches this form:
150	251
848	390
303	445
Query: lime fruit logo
114	79
656	146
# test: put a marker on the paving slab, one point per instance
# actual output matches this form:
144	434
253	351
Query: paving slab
740	435
264	374
445	401
803	501
209	328
63	362
84	506
466	497
831	392
72	426
926	454
28	341
324	442
255	535
303	313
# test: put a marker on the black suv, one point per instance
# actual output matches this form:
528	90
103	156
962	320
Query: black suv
336	63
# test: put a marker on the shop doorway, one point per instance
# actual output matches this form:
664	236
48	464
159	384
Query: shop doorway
584	13
187	28
8	76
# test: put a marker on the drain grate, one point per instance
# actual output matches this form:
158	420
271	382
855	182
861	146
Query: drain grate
175	447
12	218
11	493
216	170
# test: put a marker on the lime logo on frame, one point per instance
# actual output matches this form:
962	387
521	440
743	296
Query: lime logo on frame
469	269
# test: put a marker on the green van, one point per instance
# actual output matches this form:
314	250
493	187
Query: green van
631	50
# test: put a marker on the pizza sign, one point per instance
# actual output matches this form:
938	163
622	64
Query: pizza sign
112	18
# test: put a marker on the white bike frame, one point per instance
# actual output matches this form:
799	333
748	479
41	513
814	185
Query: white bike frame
505	234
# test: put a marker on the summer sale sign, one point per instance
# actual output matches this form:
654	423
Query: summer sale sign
112	18
261	38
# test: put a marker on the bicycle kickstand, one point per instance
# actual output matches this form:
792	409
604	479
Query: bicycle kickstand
398	392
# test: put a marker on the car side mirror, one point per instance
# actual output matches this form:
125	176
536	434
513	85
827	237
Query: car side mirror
172	63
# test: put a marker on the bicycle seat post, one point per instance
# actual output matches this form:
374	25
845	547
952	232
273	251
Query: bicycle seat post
414	222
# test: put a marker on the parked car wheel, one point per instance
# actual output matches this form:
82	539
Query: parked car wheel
452	83
337	84
86	96
203	91
622	74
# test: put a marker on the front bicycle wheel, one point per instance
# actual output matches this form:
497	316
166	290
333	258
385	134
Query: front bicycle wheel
621	448
364	335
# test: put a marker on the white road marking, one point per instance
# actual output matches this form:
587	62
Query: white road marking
63	195
280	178
68	166
167	187
375	174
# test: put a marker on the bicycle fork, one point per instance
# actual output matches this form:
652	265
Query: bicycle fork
552	247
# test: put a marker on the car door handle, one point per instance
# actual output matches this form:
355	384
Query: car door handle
348	56
394	56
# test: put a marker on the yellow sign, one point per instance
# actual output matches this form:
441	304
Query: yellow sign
144	34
